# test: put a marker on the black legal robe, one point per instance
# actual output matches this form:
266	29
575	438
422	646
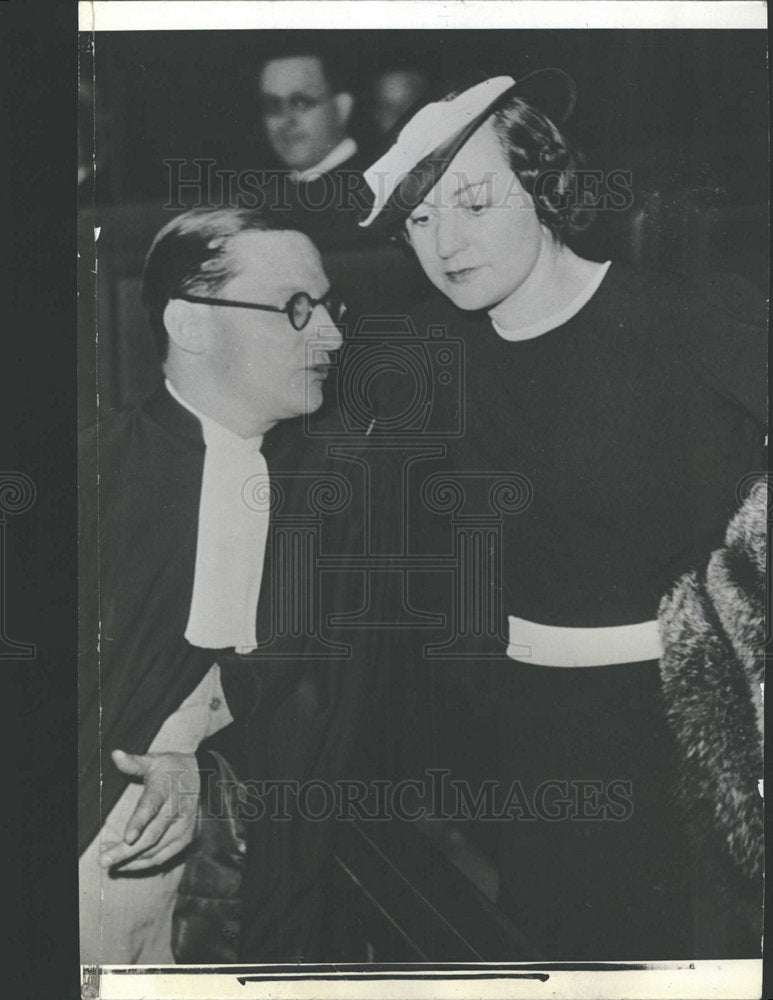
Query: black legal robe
295	701
139	487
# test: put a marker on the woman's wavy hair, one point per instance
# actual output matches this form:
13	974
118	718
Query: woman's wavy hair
546	164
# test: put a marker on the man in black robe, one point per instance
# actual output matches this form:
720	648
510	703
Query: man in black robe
182	592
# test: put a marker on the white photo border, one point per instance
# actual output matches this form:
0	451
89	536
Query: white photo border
732	979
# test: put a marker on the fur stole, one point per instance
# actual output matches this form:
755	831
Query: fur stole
714	633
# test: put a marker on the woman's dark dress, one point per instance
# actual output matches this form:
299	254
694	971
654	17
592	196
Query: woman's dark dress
634	424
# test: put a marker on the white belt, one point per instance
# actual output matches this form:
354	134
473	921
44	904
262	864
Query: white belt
556	646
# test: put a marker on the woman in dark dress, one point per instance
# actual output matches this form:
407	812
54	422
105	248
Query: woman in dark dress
632	404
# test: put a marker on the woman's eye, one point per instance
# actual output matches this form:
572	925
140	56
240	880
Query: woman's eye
419	220
478	209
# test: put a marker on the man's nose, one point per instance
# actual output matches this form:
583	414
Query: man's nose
323	332
281	112
450	238
280	122
288	115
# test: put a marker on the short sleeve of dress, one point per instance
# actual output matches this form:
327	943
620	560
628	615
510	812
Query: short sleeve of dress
725	322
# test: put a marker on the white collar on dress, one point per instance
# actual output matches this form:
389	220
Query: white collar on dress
558	318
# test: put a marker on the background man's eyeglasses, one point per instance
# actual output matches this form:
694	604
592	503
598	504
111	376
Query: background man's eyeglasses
272	106
298	309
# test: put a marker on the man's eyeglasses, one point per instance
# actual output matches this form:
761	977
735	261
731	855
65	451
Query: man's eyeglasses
298	309
272	106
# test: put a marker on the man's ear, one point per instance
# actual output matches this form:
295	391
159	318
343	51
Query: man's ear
185	323
344	103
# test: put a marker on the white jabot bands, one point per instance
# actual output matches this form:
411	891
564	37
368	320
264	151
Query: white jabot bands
231	540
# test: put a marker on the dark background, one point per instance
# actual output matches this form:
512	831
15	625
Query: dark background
38	113
676	107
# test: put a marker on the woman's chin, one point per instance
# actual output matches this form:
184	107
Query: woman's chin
467	298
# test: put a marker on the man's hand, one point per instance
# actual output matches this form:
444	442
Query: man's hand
165	818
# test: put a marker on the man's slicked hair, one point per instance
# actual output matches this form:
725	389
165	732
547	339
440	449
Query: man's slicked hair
190	254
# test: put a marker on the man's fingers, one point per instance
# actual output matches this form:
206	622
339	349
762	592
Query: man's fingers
150	846
135	765
176	838
151	835
182	829
164	827
148	807
153	830
164	812
159	857
156	834
115	854
110	852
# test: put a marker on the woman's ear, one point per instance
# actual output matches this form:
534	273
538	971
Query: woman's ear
186	325
344	103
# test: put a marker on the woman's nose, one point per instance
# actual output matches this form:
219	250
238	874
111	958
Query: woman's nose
449	236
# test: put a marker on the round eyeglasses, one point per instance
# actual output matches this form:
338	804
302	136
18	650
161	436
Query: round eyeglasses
298	308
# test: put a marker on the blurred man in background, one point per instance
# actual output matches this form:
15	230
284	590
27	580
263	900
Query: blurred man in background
395	90
306	110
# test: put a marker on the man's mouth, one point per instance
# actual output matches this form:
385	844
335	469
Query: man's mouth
319	370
